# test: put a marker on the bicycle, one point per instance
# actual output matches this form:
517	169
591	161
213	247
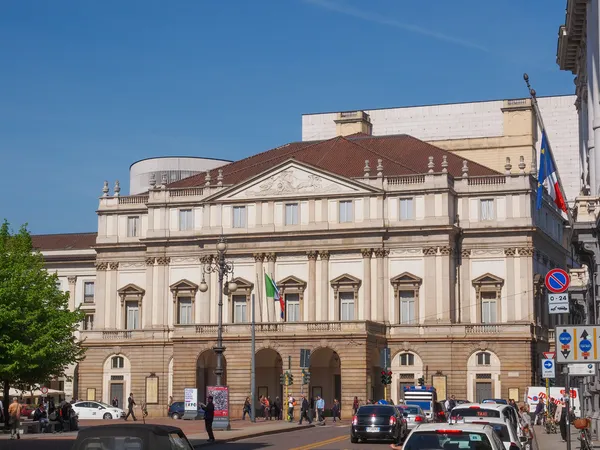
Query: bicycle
585	437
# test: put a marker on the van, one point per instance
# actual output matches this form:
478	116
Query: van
535	393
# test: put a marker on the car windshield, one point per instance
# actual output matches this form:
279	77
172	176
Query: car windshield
377	410
412	410
475	412
450	440
112	443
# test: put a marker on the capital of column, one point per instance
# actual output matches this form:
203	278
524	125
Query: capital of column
113	265
163	261
259	257
465	253
430	251
101	266
325	255
366	252
445	251
150	261
312	255
526	251
72	280
206	259
271	257
381	252
510	251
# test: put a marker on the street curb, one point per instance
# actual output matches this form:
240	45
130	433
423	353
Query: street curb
250	436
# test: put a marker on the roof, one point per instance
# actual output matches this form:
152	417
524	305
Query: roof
345	156
468	427
125	429
68	241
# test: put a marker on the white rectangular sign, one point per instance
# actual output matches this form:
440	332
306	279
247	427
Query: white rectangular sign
558	308
548	367
190	397
577	344
582	369
558	298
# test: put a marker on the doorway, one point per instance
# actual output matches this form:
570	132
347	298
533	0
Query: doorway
483	391
116	390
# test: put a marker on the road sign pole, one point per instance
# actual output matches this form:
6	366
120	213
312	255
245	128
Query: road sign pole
547	397
568	406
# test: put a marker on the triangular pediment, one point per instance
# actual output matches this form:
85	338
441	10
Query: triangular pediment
292	179
488	278
184	285
291	281
345	280
243	283
406	278
131	289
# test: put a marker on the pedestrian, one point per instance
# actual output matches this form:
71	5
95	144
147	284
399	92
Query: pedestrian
267	408
246	409
115	402
450	404
320	404
130	405
561	417
209	416
304	411
278	408
14	418
336	410
539	412
39	415
355	406
291	404
312	412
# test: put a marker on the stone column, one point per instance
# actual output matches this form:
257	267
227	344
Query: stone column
270	308
464	308
379	303
259	259
367	253
72	284
526	254
162	294
312	285
114	312
446	290
150	314
100	320
430	284
386	286
511	299
324	285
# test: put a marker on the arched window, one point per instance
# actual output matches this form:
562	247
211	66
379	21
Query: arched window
483	359
407	359
117	362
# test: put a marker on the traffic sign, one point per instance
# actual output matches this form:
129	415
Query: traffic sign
578	344
582	369
548	368
44	390
558	308
557	281
549	355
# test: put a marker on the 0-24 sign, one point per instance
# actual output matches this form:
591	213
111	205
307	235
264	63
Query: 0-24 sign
558	298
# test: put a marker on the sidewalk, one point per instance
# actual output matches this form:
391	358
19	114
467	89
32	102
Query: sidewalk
554	441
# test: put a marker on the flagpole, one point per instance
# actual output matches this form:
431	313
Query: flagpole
540	121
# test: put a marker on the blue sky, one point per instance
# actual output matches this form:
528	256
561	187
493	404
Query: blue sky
88	87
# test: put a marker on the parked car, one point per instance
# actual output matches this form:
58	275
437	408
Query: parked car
27	411
441	436
439	413
414	415
132	437
177	409
378	422
96	410
507	434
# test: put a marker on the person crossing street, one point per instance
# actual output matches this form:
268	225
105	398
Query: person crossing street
130	405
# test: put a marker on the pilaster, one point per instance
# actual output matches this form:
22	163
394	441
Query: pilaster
324	255
430	300
446	284
150	313
259	259
379	303
100	320
510	305
526	262
114	312
72	291
312	285
386	286
162	288
367	254
465	287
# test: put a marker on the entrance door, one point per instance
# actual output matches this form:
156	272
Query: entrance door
483	391
116	390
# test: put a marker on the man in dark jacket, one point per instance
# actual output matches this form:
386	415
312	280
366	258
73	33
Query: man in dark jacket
304	410
130	405
209	416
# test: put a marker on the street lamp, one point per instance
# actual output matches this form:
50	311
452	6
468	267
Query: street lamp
224	269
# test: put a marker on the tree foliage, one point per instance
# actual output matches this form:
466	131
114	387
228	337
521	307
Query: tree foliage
37	328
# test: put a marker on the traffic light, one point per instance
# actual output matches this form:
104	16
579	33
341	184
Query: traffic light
290	379
389	377
551	382
383	377
421	381
305	377
282	379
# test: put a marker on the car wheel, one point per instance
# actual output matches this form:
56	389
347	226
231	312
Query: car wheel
354	439
107	416
175	416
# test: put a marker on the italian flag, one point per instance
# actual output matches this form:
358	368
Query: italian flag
273	292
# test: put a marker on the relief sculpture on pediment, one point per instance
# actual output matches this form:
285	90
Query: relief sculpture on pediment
288	182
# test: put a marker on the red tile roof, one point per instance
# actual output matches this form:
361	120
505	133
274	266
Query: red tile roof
69	241
345	156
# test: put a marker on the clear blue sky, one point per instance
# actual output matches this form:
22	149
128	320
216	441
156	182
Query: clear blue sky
88	87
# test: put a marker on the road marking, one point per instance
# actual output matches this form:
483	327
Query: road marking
320	444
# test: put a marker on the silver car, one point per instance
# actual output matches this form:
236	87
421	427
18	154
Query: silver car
414	415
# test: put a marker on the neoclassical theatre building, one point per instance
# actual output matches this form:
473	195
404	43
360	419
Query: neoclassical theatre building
372	241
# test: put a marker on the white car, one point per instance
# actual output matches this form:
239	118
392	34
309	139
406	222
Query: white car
485	411
96	410
502	428
444	436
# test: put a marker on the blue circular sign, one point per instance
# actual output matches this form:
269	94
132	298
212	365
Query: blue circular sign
585	345
548	364
590	366
564	338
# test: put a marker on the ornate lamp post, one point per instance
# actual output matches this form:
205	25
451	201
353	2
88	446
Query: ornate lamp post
224	269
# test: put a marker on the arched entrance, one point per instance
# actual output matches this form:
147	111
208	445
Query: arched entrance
483	376
407	368
205	372
116	381
325	375
269	366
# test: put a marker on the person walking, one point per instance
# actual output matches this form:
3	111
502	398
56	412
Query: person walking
14	418
278	408
304	411
246	409
355	406
539	412
115	402
450	404
130	405
336	410
291	404
561	417
209	416
320	404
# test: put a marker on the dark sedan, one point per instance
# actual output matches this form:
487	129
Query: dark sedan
131	437
378	422
177	409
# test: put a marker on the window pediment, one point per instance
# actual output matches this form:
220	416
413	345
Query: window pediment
346	280
488	281
406	279
244	287
184	285
292	283
131	292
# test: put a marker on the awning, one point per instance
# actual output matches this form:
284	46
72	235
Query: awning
32	393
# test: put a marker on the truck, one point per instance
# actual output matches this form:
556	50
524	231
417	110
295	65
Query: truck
535	393
423	396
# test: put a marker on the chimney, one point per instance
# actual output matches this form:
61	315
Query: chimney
352	122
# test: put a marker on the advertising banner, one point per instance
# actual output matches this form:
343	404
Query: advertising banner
220	395
190	397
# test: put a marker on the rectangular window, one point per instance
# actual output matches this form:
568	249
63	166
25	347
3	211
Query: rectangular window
486	209
292	307
184	310
240	309
132	315
291	214
88	292
239	217
346	211
489	309
407	211
186	220
407	307
88	322
346	305
133	226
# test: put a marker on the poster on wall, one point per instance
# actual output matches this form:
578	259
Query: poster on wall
190	397
439	383
220	395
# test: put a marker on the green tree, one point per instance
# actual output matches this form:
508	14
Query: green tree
36	326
